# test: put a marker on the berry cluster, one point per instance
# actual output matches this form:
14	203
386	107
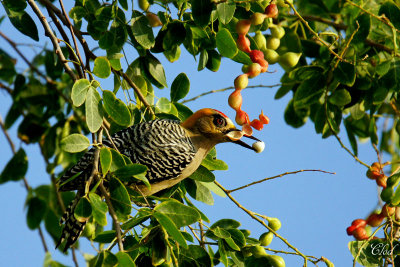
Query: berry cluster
259	65
358	226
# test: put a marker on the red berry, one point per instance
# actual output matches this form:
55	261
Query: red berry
243	43
241	117
243	26
271	11
256	55
359	223
350	230
254	70
241	82
375	219
235	100
256	124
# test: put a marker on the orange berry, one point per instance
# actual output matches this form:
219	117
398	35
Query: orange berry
360	233
257	124
243	43
254	70
241	117
247	130
264	65
241	82
375	219
264	119
235	100
381	181
243	26
387	211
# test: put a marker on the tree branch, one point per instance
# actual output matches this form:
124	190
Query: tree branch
52	37
252	215
276	176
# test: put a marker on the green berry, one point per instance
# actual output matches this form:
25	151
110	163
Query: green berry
266	239
277	32
271	56
274	223
273	43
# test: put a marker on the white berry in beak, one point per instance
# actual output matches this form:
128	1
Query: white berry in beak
258	146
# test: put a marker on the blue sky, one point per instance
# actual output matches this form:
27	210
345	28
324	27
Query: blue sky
314	208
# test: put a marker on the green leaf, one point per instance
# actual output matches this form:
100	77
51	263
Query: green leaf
79	91
124	259
140	217
105	160
171	228
141	30
214	60
106	40
202	174
198	191
226	44
120	199
305	72
237	236
117	160
99	209
75	143
242	57
220	232
201	11
232	244
23	23
94	111
115	60
309	92
214	164
163	105
102	67
135	170
105	236
226	11
83	209
180	214
36	211
180	87
203	60
226	223
124	4
215	188
156	71
392	12
16	168
117	109
364	20
366	257
194	256
15	5
391	80
173	54
340	97
345	73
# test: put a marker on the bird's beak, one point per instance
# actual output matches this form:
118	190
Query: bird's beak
235	135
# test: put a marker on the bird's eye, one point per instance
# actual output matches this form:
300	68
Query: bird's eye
219	121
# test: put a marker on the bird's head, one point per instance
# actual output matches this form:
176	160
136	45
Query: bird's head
216	127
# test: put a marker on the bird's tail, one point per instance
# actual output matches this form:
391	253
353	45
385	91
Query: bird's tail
72	227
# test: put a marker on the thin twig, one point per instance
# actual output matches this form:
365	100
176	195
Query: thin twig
73	36
274	177
252	215
383	19
226	89
328	45
347	45
74	259
10	142
5	87
113	215
53	38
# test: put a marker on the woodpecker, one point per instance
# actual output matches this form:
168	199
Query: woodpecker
171	150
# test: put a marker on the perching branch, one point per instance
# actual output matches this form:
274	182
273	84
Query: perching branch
274	177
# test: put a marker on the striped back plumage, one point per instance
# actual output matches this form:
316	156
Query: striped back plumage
161	145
